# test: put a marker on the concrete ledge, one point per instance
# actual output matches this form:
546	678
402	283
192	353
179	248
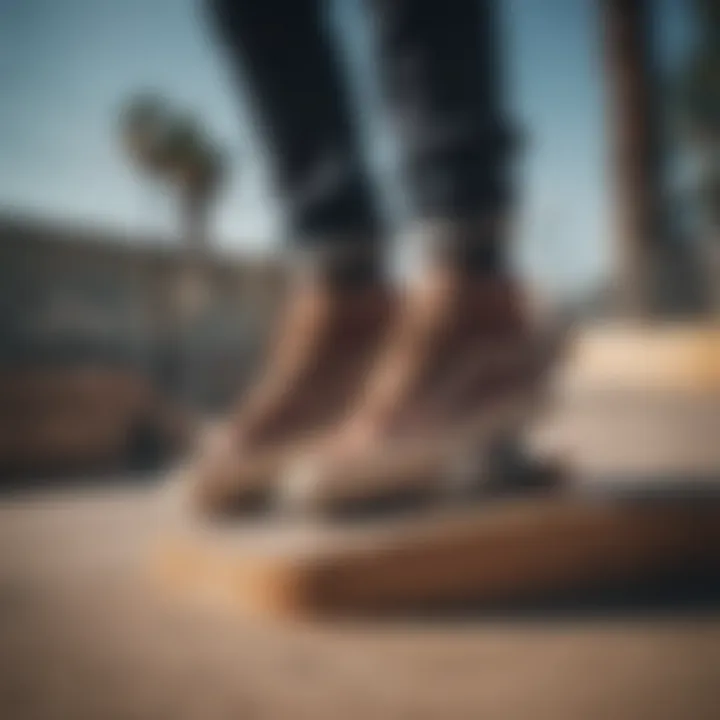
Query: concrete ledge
506	551
662	356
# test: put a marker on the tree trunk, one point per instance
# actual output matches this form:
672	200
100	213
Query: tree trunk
194	219
194	298
636	160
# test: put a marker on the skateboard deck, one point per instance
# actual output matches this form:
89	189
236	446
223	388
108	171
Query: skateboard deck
662	425
498	551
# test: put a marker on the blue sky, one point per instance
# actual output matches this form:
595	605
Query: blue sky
66	65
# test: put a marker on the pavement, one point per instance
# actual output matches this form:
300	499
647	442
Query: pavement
85	632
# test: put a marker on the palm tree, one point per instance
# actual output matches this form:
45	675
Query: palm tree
699	105
700	80
174	148
636	160
699	95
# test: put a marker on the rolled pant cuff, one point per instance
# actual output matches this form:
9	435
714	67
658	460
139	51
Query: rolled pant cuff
344	260
474	245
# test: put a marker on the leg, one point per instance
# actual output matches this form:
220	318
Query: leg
337	307
442	77
460	367
440	67
441	74
282	51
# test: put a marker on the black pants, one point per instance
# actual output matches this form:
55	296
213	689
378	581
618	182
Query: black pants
439	71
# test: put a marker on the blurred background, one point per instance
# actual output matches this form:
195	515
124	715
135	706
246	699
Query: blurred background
140	272
139	267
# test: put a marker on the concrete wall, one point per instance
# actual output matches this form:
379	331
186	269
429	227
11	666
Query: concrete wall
79	295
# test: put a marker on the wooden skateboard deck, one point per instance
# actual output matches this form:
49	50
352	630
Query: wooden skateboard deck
664	422
496	551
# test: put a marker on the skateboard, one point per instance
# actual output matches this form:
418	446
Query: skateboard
639	500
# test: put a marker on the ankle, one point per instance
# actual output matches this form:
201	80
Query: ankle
471	247
477	302
349	264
